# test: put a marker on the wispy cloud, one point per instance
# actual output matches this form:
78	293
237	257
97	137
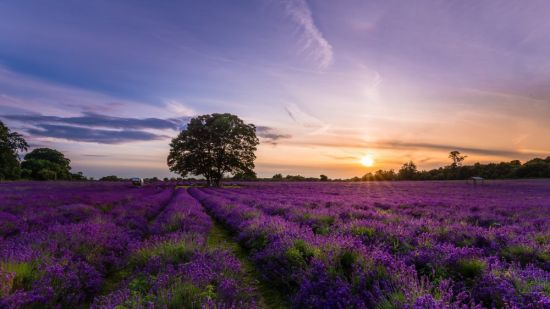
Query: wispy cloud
511	153
271	135
92	135
314	43
346	142
179	108
94	155
306	120
372	88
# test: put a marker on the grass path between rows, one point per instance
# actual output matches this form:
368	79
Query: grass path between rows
114	278
268	297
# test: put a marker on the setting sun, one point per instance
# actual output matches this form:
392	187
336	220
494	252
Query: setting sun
367	160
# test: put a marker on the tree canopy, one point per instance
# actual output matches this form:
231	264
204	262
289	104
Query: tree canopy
11	143
408	171
110	178
457	158
250	175
212	145
46	164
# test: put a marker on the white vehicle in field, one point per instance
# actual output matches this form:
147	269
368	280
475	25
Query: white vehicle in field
136	181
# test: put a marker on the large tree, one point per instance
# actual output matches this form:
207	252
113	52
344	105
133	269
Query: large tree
10	144
47	164
212	145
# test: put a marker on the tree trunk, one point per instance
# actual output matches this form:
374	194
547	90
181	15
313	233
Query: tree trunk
217	181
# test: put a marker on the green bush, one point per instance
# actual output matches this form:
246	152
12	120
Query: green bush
141	284
173	252
322	225
346	262
46	174
300	253
395	300
187	295
25	274
258	242
363	231
521	254
470	268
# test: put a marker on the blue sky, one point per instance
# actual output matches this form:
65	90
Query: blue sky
328	82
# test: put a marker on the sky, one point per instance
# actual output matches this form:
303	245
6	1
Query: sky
109	83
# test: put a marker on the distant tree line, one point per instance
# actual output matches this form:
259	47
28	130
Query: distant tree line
456	170
280	177
146	180
535	168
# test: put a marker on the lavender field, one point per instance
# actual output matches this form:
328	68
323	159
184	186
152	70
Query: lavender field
302	245
103	245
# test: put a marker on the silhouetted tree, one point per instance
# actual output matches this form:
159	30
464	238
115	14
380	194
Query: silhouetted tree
249	175
408	171
385	175
457	158
323	178
534	168
367	177
11	143
213	145
78	176
295	177
110	178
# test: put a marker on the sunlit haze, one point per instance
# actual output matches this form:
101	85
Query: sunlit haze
340	88
367	160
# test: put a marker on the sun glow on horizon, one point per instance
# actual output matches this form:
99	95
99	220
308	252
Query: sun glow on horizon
367	160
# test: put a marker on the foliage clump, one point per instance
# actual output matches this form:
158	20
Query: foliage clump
11	143
213	145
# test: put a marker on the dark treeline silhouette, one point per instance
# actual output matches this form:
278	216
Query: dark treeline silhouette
535	168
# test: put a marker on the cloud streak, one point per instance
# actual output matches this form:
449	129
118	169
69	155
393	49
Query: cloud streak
92	135
98	120
271	135
445	147
341	143
97	128
314	43
306	120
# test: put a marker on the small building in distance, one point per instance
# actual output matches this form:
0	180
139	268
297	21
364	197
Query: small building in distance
476	179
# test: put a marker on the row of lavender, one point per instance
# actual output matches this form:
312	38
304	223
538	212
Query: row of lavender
67	244
174	268
58	249
398	244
